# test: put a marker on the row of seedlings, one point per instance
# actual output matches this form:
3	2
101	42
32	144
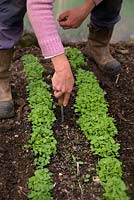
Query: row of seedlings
42	141
98	127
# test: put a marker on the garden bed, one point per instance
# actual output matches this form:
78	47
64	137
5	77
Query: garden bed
73	166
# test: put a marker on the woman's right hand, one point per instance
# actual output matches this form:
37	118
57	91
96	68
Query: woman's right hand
63	80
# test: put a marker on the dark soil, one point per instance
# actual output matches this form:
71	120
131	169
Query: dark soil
74	165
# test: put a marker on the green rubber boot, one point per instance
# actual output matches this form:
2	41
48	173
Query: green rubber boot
6	102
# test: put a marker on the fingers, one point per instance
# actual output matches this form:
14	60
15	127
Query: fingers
63	16
66	99
58	94
68	24
64	20
63	98
65	24
58	91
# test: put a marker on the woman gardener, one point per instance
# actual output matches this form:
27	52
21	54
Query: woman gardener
104	15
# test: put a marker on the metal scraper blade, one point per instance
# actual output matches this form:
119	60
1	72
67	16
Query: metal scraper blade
62	114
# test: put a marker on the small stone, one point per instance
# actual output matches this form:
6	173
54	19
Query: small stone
96	179
74	147
20	101
16	136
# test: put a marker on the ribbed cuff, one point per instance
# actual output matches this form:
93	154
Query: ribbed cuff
51	47
53	56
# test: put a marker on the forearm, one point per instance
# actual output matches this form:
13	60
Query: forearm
41	17
88	6
60	63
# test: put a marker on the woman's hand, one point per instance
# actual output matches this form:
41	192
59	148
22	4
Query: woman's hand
73	18
63	79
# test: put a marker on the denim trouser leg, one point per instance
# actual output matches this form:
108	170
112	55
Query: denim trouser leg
11	22
106	14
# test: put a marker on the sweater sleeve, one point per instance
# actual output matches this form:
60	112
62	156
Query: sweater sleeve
40	13
97	1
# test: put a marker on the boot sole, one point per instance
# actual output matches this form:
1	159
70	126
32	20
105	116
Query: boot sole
101	68
6	109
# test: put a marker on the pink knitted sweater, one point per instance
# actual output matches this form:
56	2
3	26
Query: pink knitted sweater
40	13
